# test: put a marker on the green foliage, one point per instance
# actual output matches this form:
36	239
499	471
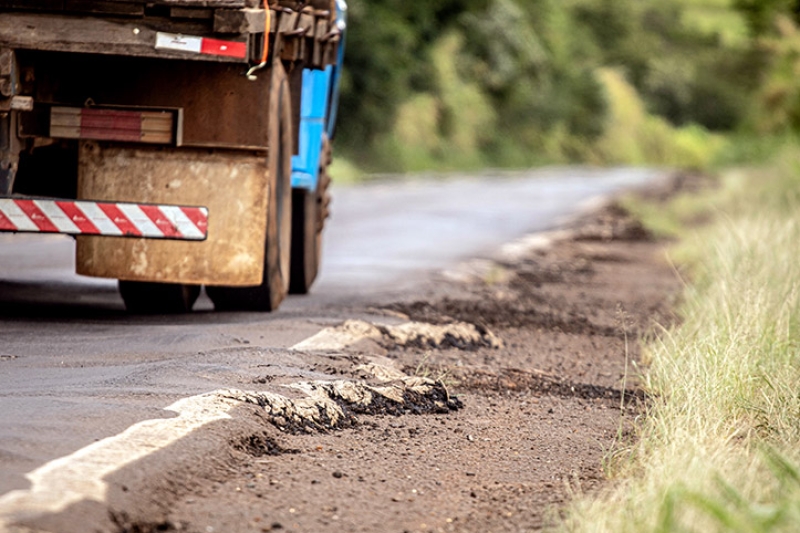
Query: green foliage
778	103
683	71
465	83
761	14
632	136
749	149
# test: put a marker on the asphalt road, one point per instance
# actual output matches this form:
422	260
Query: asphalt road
74	368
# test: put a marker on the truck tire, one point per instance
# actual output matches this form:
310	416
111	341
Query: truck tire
148	298
309	212
275	282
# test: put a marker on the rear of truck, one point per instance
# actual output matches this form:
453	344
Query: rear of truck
183	142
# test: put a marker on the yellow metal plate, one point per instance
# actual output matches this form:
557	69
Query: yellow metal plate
232	185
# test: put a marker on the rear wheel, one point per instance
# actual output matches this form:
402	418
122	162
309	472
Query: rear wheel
275	282
309	211
158	298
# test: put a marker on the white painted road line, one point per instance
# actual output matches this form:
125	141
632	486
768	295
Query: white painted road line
338	338
80	476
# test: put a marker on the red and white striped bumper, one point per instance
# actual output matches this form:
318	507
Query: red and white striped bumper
104	218
201	45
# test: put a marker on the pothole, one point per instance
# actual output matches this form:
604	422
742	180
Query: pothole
327	405
540	383
518	313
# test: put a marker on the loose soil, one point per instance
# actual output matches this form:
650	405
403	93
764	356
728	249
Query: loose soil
531	422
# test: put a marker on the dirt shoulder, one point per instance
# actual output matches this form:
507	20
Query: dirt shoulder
528	407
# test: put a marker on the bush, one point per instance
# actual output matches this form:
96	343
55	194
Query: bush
512	82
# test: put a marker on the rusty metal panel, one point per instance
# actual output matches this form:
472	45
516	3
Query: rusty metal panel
209	3
233	185
221	107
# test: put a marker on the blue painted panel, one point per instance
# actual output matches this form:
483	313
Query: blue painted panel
318	108
313	113
305	165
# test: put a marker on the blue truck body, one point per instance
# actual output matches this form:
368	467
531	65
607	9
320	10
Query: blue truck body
318	110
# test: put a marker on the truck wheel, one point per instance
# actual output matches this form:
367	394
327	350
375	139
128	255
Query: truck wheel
309	211
275	282
158	298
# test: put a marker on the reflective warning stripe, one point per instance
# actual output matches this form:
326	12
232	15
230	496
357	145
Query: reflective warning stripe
81	221
37	216
104	218
201	45
155	127
215	47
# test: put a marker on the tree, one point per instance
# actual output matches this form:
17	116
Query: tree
761	14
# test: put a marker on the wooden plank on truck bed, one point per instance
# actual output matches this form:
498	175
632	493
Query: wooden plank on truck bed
318	53
104	6
199	3
83	6
138	4
238	4
61	33
239	20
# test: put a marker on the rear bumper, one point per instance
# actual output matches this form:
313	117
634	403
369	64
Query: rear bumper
103	218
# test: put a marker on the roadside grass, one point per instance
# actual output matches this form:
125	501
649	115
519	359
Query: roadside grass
718	448
752	149
685	209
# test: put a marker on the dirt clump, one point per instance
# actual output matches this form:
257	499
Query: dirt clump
611	223
124	524
259	445
334	405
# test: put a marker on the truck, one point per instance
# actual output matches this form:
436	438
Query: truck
183	143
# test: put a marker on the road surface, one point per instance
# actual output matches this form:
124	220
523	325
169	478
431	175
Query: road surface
75	369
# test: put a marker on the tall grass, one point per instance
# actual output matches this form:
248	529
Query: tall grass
719	448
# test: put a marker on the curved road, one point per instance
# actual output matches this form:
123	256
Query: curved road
74	368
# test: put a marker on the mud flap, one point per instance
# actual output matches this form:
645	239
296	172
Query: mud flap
232	185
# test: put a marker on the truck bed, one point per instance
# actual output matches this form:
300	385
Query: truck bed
96	5
136	27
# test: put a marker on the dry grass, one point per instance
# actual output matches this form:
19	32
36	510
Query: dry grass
719	449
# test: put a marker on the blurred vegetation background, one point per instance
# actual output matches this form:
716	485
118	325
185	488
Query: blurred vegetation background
461	84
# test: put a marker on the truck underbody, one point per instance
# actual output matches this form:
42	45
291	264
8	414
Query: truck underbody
162	135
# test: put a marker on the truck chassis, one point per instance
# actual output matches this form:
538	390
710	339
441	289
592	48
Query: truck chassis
183	142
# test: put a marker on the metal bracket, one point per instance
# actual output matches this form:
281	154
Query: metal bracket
16	103
9	147
8	163
9	77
